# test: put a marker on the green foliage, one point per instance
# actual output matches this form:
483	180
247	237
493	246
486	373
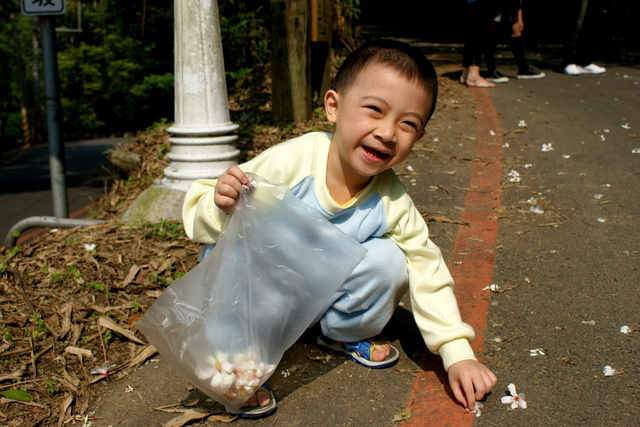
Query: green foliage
19	395
71	273
163	230
7	334
111	84
50	385
40	330
116	74
96	287
107	336
245	43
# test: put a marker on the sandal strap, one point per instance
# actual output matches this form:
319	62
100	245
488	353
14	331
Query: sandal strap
364	348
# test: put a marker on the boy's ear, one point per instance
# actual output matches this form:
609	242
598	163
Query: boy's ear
331	99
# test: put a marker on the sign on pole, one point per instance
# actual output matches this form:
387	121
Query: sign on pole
43	7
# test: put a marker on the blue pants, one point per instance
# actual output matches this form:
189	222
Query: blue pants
365	302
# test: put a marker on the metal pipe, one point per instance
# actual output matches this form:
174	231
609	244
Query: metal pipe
45	222
57	168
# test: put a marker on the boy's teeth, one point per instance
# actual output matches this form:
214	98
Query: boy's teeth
376	153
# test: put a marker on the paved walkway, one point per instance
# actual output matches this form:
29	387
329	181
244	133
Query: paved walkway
26	185
546	174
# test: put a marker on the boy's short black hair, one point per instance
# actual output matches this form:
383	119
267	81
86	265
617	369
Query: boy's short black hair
405	59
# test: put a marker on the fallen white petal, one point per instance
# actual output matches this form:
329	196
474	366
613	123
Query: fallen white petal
478	406
536	352
536	210
506	399
521	402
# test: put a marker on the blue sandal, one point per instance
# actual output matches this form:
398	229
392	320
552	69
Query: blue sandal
253	412
360	352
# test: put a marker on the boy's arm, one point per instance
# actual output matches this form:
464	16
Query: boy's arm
433	302
203	210
201	217
436	311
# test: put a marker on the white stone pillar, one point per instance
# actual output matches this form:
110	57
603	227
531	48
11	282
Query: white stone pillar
201	146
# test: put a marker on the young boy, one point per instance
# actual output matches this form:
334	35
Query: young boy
382	98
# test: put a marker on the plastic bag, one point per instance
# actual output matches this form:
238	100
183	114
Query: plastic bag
226	324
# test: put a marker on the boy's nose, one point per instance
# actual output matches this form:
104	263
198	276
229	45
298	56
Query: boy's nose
385	130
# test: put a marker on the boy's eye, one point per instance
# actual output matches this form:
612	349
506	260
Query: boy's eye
411	124
374	108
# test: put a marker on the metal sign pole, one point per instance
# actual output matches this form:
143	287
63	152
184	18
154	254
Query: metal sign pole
54	117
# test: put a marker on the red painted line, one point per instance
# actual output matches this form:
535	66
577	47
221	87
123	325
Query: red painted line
471	265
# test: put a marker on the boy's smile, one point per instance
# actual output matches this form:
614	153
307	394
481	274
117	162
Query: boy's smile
378	120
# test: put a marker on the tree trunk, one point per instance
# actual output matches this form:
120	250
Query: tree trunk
290	61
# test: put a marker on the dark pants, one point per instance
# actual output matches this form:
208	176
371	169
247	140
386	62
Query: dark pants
478	17
579	39
502	30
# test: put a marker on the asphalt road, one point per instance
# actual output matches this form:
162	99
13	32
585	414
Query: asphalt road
25	186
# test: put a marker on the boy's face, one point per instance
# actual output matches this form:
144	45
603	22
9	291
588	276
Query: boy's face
378	120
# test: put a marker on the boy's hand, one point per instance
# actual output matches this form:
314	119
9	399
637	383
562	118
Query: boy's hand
470	381
229	187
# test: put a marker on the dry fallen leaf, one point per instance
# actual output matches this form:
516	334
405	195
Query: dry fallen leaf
80	352
445	220
105	322
188	416
223	417
403	415
141	357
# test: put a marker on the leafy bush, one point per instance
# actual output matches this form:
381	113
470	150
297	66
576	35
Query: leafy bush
116	75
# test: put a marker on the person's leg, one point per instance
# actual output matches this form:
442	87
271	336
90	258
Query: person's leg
477	18
490	49
577	11
517	49
498	27
525	71
366	301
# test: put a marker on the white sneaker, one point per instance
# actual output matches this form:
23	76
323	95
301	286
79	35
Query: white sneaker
591	69
572	70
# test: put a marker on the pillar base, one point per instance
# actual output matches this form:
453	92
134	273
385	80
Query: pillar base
156	203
